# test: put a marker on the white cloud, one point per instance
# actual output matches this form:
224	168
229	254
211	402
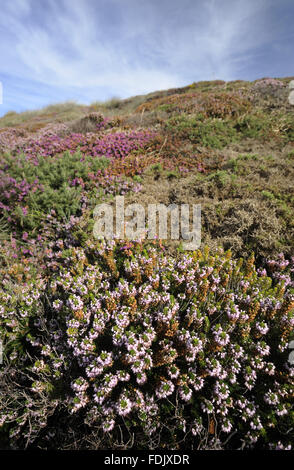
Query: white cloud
130	46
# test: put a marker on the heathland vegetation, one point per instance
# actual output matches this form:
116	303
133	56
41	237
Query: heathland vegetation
140	344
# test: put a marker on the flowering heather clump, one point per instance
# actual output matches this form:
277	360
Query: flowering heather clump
52	129
116	145
130	340
269	89
14	192
10	138
119	344
32	183
268	82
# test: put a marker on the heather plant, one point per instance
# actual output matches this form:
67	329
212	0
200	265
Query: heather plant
93	122
10	137
213	104
268	82
14	138
269	93
132	344
179	352
226	105
114	145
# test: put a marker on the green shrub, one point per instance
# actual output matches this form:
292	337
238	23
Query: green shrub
221	178
54	172
253	126
214	133
52	180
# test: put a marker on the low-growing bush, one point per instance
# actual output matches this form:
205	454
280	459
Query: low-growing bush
253	126
211	132
148	351
64	183
31	191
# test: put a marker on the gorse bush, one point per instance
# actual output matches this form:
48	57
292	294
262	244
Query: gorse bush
211	132
215	127
188	352
63	183
54	172
254	126
49	184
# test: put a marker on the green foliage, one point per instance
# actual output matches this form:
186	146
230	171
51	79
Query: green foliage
137	178
288	128
211	132
55	172
268	195
65	201
221	178
55	191
155	168
253	126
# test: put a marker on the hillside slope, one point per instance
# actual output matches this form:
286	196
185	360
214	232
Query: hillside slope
225	145
141	344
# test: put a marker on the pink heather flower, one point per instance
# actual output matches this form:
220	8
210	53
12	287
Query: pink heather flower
57	304
173	372
75	302
197	427
271	398
280	446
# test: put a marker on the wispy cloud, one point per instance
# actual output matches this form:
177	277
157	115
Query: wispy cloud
92	49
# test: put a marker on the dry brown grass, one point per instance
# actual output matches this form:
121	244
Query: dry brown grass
61	112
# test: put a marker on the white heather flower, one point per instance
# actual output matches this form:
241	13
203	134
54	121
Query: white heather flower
185	393
57	304
108	425
123	376
141	378
80	385
262	327
271	398
124	406
227	426
173	372
164	389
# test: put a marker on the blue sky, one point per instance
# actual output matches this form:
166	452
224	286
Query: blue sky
87	50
